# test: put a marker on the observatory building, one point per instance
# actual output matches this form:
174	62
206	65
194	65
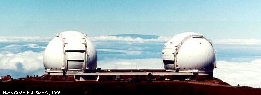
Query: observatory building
70	52
189	52
185	56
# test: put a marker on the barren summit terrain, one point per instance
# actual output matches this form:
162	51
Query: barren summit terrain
207	87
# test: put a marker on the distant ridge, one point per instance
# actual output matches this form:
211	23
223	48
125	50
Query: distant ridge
144	36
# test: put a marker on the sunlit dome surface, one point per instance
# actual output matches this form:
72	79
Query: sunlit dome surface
70	50
189	51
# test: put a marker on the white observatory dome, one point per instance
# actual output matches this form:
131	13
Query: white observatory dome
70	51
189	52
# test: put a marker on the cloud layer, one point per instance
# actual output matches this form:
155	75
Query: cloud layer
242	73
129	39
30	63
237	41
21	64
150	63
24	39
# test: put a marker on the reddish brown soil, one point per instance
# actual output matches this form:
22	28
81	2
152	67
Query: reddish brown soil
210	87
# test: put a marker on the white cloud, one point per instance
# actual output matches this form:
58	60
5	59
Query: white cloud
150	63
24	39
237	41
167	38
128	52
242	73
129	39
30	61
34	46
95	38
16	46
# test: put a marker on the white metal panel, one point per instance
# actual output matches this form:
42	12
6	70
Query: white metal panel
168	54
74	64
73	46
75	55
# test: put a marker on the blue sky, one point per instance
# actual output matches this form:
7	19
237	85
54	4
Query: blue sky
216	19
